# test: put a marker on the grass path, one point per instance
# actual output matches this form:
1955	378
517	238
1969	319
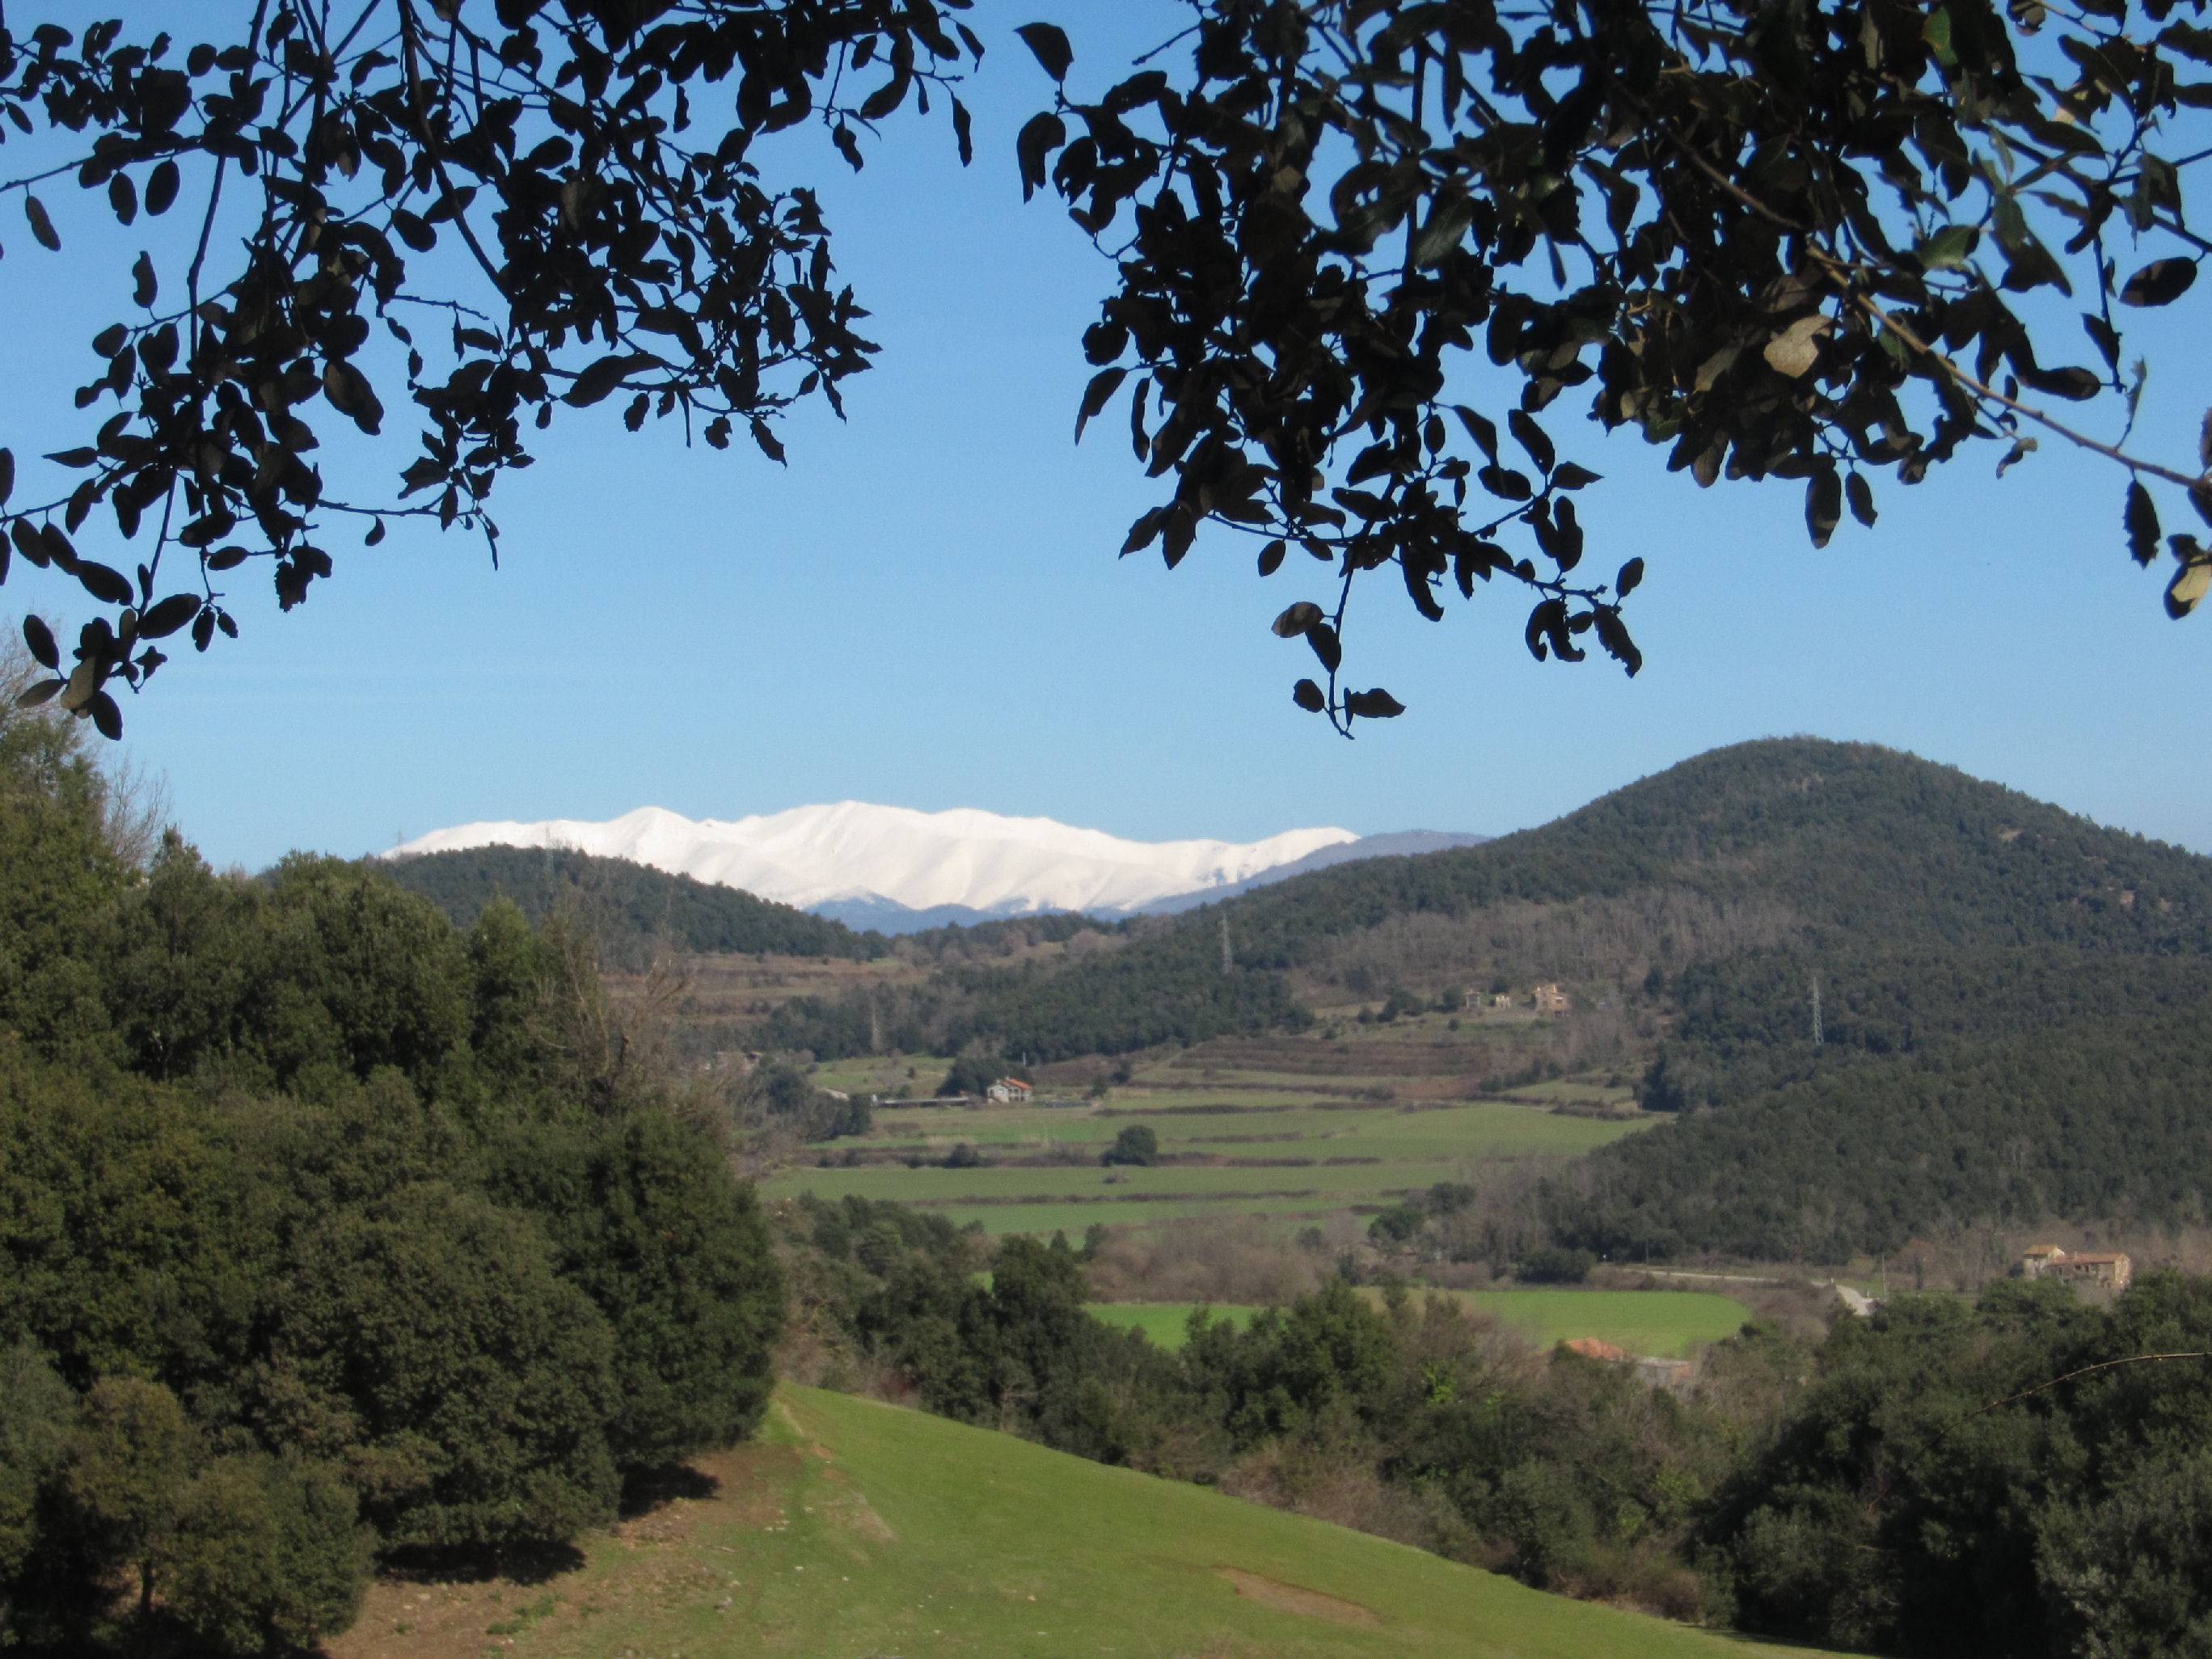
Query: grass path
855	1529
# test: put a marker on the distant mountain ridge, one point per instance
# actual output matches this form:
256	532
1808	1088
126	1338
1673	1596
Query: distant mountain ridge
897	870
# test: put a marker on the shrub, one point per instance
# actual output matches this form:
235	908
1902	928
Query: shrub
1136	1144
1554	1265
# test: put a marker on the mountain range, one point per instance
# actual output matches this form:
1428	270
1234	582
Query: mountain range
896	870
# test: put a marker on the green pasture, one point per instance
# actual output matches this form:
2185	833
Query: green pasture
856	1528
1045	1219
1487	1128
1021	1183
1664	1324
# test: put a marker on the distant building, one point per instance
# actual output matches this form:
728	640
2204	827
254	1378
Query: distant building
1675	1376
1010	1088
1591	1347
1549	998
2106	1269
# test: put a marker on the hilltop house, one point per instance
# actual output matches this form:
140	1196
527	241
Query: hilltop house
2106	1269
1010	1089
1549	998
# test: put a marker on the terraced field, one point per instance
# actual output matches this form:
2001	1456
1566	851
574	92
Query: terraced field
1251	1128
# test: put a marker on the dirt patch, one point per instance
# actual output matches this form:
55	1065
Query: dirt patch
419	1618
1294	1598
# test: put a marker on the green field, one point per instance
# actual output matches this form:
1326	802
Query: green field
1239	1151
1663	1324
1165	1322
861	1530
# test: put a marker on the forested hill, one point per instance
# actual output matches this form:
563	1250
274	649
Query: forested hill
630	906
1733	878
1860	843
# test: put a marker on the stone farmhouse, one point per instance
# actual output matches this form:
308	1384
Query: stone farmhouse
1010	1088
2106	1269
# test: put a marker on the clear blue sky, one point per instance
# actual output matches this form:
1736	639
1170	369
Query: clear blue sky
924	608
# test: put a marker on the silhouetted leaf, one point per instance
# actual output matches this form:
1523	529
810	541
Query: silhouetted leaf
2190	581
1039	137
1271	556
1296	619
1860	495
146	288
1050	47
597	380
39	639
162	187
108	585
42	226
167	616
105	715
1102	386
1326	646
2141	519
1373	705
7	474
1824	504
1307	696
1631	574
2160	282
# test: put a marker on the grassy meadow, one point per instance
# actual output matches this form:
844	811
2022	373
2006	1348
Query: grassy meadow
1661	1324
856	1528
1295	1128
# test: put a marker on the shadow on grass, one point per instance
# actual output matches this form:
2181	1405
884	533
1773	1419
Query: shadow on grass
523	1563
646	1489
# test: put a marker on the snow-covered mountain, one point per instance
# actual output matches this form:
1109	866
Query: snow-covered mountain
854	857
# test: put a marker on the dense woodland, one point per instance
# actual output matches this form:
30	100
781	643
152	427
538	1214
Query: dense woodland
1919	1483
328	1232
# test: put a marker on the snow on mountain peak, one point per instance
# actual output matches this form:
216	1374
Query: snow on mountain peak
813	856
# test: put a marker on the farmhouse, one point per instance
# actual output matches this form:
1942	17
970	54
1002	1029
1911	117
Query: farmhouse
2106	1269
1549	998
1010	1088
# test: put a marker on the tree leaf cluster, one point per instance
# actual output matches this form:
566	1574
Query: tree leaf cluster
1354	238
477	214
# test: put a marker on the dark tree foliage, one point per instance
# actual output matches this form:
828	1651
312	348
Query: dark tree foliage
606	233
314	1212
630	908
1904	1509
1359	248
1809	242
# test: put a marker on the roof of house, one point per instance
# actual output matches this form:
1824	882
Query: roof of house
1591	1347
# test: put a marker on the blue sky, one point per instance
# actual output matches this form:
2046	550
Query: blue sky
926	609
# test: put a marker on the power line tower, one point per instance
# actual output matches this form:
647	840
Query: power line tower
1228	957
1816	1010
